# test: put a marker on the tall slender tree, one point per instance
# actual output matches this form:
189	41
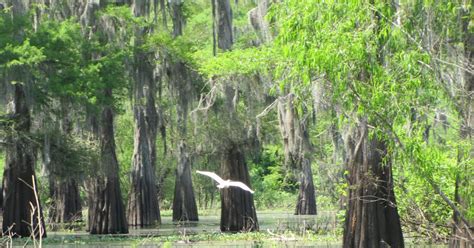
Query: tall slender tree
298	148
143	208
237	206
106	208
180	80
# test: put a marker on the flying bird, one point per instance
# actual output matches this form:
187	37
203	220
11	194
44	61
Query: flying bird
225	183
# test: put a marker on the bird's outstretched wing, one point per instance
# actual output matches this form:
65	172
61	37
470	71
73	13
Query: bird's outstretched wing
212	175
240	185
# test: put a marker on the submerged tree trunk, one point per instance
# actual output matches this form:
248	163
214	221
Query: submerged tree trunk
372	218
19	217
65	196
66	201
306	203
184	201
143	208
106	211
297	154
237	206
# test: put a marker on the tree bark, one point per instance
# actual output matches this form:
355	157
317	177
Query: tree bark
372	219
19	217
184	201
306	203
106	209
237	206
297	149
66	201
177	17
143	207
259	24
224	24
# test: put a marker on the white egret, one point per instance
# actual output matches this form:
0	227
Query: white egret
225	183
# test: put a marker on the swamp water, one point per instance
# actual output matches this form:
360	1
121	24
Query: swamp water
276	230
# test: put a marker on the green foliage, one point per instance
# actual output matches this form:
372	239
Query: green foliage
124	143
180	48
237	62
366	63
73	157
14	49
375	68
272	188
62	70
343	46
438	162
21	55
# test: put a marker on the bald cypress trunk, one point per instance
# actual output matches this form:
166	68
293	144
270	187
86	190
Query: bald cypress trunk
176	8
64	190
306	203
106	209
372	218
237	206
184	201
224	24
297	154
66	201
143	208
19	217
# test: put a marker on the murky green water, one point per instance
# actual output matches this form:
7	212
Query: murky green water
276	230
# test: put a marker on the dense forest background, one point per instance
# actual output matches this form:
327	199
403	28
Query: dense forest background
364	109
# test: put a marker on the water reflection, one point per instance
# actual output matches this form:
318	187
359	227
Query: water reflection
273	224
